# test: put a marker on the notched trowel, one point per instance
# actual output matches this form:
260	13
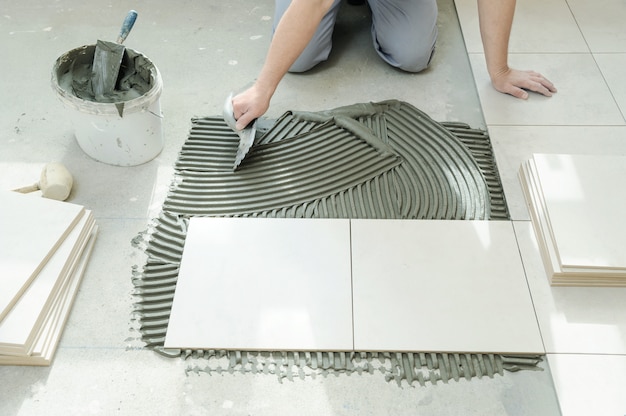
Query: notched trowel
246	136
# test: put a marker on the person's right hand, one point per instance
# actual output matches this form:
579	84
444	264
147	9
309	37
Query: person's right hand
249	105
517	83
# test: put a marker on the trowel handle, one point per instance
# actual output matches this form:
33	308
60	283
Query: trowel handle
128	24
27	189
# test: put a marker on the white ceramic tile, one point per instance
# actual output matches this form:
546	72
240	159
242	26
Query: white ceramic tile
583	97
559	274
32	228
578	320
264	284
589	384
20	327
539	26
516	144
440	286
612	67
48	338
584	197
94	371
602	23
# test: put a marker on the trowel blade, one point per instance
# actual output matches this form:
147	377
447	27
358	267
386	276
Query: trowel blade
246	139
107	59
246	136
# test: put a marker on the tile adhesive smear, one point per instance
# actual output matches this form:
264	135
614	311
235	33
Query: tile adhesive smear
246	135
121	126
375	160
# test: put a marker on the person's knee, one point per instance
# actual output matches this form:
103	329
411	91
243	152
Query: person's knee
405	36
304	64
411	59
319	47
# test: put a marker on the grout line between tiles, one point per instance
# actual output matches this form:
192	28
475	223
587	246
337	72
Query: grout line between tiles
530	292
578	25
593	56
351	282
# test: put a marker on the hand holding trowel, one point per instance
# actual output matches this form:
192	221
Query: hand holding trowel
246	136
108	57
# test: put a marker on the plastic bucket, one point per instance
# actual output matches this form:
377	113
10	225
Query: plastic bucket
127	132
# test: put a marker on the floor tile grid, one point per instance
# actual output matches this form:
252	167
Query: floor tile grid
94	371
591	92
602	58
467	13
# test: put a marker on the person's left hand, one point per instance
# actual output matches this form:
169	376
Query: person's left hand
517	83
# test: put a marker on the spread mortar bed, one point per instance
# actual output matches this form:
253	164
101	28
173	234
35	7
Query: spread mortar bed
383	160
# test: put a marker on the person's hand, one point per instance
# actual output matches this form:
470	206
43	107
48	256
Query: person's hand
517	83
249	105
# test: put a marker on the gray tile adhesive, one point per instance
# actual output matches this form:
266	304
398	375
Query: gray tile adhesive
374	160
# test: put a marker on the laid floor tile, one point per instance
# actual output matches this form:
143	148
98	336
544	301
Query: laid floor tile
602	23
612	66
589	384
577	320
32	228
440	286
514	145
529	33
583	97
263	284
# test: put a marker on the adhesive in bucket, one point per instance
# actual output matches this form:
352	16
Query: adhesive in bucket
123	129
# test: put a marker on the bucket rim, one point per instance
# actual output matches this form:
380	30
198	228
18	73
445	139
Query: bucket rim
94	107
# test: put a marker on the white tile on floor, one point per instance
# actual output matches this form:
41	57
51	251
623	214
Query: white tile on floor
602	23
583	97
529	33
584	198
589	384
93	371
516	144
264	284
440	286
575	320
612	67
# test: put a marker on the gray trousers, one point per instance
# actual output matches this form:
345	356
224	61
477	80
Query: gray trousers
403	32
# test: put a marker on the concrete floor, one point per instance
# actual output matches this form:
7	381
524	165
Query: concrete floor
204	50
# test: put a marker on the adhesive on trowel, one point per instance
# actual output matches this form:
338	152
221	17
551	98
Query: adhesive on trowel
108	58
246	136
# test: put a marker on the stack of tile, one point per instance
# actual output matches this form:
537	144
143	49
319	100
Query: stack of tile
576	206
44	249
